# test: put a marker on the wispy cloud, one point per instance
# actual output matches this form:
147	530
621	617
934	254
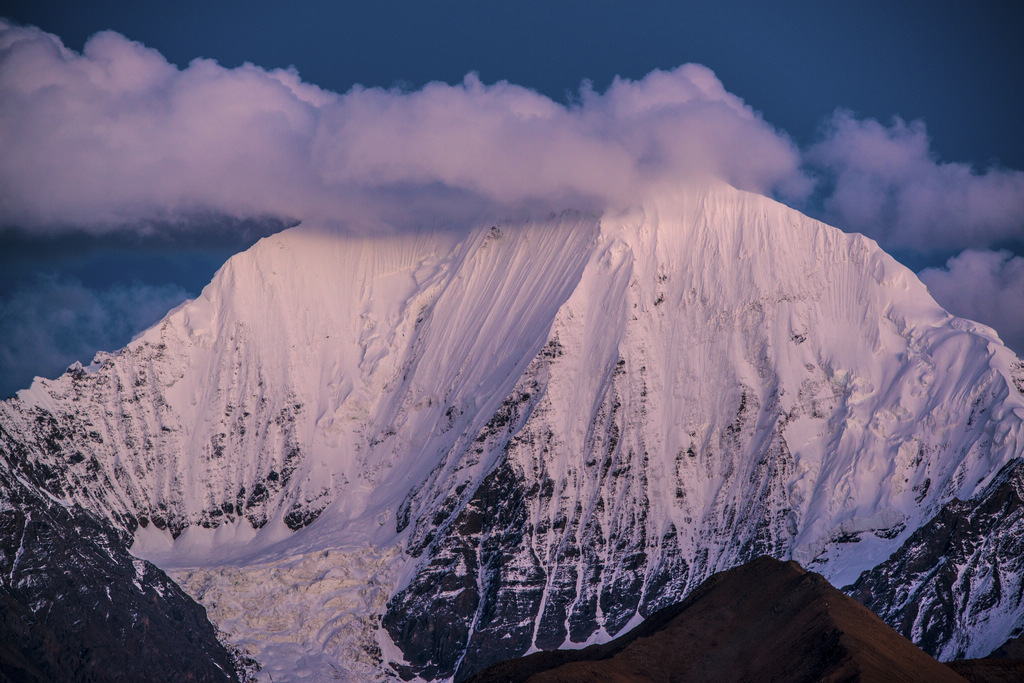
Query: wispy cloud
987	286
49	322
887	182
117	135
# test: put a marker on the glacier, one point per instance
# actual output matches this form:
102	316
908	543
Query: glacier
423	452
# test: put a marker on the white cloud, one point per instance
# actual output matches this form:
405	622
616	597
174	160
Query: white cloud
987	286
116	135
889	184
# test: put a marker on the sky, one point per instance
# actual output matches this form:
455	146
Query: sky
143	143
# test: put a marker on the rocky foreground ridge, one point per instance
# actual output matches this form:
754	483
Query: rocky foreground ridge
765	620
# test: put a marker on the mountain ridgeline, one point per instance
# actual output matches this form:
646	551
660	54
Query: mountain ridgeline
554	429
765	620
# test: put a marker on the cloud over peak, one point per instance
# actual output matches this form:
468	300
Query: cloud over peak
116	135
116	139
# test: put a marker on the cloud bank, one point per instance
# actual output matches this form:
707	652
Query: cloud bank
116	135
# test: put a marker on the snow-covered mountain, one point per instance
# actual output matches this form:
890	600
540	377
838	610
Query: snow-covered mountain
429	452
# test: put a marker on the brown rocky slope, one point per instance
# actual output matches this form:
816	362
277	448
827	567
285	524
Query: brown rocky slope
766	620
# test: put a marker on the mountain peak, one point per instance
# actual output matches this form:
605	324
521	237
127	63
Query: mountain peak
563	424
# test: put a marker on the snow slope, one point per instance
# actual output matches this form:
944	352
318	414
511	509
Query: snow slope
558	426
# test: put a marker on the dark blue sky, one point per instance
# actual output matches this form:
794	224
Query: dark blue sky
958	67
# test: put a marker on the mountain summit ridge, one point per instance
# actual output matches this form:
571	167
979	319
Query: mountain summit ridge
564	424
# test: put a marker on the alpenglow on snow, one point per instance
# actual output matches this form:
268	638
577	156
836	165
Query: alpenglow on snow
465	447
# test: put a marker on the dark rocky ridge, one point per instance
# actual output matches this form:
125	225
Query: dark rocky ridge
1011	649
76	606
765	620
990	670
1004	665
956	570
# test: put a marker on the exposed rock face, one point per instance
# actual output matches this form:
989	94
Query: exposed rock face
432	627
765	620
76	605
955	587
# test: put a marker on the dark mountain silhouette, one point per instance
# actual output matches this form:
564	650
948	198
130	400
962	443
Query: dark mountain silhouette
766	620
